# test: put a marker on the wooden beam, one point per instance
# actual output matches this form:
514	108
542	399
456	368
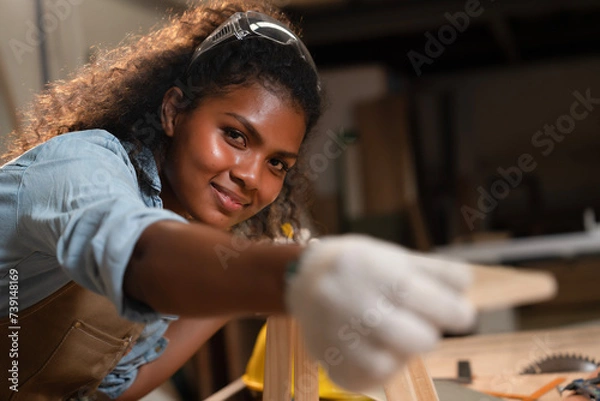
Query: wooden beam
503	34
278	360
412	384
306	370
498	287
228	391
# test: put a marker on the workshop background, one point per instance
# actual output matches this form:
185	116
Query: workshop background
459	127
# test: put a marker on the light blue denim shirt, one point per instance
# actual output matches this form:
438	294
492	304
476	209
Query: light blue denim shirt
73	208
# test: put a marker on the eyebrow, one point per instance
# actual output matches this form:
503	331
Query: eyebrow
256	135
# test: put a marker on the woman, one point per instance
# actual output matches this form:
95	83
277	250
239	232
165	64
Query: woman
120	223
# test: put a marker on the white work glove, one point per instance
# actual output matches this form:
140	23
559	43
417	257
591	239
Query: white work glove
364	306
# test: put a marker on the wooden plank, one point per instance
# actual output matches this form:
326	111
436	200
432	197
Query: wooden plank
400	388
577	277
412	383
498	287
306	373
278	362
384	140
503	356
421	380
228	391
382	126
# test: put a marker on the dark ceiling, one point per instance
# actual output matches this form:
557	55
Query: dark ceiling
504	32
500	32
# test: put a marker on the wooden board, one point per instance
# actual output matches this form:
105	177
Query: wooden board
497	359
506	354
412	383
278	359
385	145
498	287
382	125
306	370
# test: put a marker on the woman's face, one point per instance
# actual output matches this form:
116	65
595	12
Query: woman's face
228	157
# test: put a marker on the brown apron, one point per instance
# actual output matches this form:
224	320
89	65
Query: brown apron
66	344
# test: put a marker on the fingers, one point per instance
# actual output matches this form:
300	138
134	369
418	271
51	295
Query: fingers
421	287
364	367
454	273
447	309
405	333
376	304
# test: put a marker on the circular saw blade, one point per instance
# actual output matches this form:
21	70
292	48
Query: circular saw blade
561	363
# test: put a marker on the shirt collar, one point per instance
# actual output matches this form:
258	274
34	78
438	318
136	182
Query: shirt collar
144	161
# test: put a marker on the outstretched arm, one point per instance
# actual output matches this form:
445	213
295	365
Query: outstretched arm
363	305
196	270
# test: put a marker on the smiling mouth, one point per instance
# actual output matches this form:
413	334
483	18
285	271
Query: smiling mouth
227	200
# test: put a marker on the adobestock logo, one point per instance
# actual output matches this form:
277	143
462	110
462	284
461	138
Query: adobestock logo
57	11
447	34
544	141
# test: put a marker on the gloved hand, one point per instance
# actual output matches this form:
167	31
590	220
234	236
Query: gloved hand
364	306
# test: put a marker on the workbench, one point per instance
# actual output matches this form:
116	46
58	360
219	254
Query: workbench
497	359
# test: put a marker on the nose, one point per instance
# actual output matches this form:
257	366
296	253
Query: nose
246	172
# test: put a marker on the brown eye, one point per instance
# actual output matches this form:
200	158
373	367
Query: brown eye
279	165
235	137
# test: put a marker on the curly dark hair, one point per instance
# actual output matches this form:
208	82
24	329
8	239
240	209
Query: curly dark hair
121	91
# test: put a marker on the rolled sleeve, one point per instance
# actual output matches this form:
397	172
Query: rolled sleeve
150	345
80	201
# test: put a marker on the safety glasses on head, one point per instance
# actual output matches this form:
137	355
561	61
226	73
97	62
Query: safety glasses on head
244	25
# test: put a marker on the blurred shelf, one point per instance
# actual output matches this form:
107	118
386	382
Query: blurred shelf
558	246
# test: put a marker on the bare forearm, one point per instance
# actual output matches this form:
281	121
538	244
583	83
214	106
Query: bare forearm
195	270
185	337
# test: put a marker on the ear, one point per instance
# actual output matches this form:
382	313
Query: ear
169	109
